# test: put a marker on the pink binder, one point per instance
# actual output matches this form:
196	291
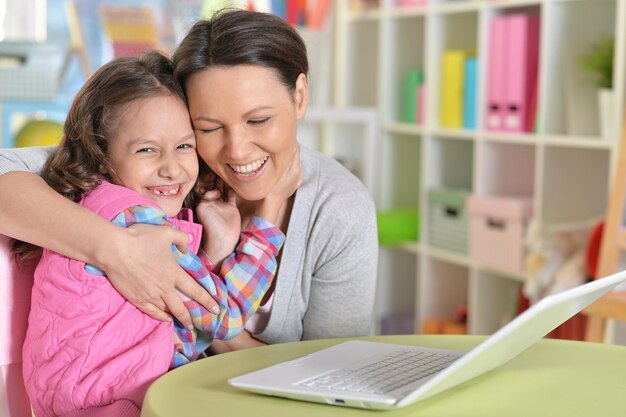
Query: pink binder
522	58
496	75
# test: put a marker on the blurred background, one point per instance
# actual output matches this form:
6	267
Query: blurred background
487	131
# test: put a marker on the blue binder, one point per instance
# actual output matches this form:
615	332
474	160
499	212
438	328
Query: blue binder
470	92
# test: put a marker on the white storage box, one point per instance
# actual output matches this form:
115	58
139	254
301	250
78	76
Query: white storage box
30	71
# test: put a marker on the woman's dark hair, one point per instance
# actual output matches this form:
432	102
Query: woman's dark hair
240	37
81	160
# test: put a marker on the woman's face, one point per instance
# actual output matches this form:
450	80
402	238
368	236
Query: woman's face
245	121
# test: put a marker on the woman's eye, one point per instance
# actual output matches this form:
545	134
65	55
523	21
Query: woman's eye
145	150
186	146
208	130
258	121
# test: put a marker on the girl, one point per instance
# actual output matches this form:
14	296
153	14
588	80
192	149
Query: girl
245	77
129	155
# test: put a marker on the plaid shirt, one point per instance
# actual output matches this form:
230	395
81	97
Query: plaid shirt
245	276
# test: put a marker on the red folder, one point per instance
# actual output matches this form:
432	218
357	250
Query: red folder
522	59
496	72
318	13
293	12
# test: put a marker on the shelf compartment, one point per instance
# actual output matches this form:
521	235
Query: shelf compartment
505	169
575	184
408	38
440	296
350	135
361	86
447	32
568	99
401	172
493	301
449	163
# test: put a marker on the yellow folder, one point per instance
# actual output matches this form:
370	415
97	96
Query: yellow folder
451	100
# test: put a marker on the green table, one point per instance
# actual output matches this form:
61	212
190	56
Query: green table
552	378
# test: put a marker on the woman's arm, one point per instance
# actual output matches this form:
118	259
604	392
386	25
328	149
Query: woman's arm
31	211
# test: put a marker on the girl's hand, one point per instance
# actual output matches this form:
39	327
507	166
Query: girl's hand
221	222
243	340
144	253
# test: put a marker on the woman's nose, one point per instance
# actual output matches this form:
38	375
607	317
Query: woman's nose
236	144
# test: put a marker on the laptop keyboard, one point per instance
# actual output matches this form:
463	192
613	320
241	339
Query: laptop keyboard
391	372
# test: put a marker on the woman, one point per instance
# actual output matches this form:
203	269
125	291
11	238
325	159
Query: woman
245	77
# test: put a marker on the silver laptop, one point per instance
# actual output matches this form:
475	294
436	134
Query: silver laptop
385	376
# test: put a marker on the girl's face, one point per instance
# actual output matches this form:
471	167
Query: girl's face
153	151
245	121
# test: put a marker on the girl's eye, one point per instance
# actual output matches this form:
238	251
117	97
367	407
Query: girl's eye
258	121
145	150
186	146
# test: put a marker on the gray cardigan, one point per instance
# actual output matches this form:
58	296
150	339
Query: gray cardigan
327	275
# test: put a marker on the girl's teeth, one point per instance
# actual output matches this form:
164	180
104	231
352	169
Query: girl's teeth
171	191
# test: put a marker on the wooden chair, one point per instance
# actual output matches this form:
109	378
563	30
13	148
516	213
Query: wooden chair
613	305
77	41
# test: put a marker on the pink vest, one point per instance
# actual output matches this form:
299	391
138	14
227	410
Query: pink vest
86	346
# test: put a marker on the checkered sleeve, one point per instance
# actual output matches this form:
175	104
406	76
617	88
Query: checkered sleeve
244	277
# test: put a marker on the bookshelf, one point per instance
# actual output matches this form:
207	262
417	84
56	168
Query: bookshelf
565	164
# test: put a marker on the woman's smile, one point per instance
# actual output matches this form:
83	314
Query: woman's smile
251	168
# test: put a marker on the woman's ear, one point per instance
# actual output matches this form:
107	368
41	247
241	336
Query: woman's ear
301	95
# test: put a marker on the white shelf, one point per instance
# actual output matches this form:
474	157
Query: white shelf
579	142
564	164
404	128
364	15
453	133
456	7
507	4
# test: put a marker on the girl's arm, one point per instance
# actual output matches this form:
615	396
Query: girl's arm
31	211
243	280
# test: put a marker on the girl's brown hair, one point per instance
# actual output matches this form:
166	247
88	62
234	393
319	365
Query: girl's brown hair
81	160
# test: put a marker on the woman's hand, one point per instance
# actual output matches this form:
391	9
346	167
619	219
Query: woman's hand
144	253
243	340
221	222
